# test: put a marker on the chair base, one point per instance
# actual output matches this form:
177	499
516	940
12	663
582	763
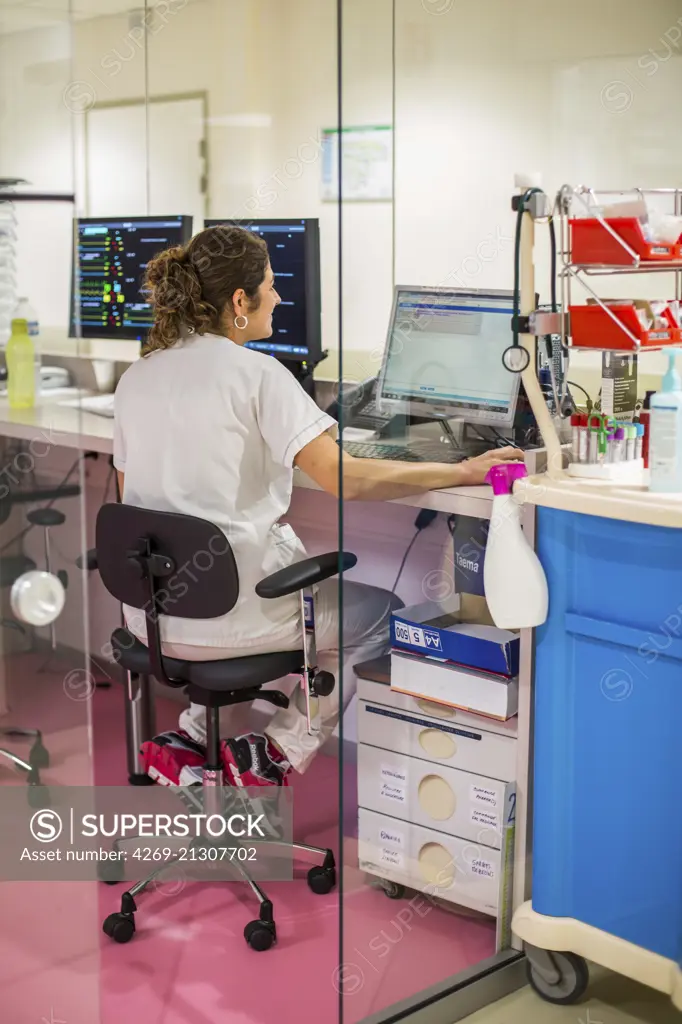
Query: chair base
38	757
261	933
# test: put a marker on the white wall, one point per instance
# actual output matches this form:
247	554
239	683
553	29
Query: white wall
481	91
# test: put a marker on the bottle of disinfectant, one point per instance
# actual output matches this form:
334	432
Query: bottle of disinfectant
665	426
20	367
514	580
25	311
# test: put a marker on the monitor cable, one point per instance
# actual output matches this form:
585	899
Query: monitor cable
424	518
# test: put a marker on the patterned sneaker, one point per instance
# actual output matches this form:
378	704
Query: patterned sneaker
170	757
252	760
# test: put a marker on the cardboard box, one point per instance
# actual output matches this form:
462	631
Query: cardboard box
458	803
379	691
458	871
437	631
470	749
494	696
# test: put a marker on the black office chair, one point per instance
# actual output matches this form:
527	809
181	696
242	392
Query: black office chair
143	559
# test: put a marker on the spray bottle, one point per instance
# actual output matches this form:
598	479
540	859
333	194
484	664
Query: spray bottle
514	580
665	445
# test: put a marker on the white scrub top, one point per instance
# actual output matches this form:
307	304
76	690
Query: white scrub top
211	429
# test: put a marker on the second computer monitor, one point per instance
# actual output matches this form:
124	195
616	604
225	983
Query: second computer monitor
443	356
294	247
107	296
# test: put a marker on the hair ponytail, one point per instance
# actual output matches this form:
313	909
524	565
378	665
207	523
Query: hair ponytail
191	285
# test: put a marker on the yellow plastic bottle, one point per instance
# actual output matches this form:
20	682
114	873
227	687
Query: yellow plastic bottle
20	367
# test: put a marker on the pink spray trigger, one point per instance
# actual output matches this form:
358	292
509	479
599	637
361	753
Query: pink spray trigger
502	478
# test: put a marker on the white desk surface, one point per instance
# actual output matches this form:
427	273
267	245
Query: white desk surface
68	427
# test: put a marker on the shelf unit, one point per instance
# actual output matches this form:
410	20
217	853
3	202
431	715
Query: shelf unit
618	327
621	239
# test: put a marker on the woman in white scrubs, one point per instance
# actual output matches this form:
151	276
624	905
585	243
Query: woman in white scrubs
209	428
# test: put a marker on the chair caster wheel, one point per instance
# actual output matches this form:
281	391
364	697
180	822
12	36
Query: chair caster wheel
111	872
323	684
39	756
140	780
393	890
321	880
38	795
119	927
259	935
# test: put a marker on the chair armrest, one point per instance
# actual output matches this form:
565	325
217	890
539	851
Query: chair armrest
88	560
305	574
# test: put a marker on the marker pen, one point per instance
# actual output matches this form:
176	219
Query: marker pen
610	437
619	445
630	437
593	431
639	427
583	439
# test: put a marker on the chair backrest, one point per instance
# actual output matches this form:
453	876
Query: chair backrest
166	563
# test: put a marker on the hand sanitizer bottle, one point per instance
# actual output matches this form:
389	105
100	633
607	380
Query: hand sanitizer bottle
21	377
665	426
25	311
514	580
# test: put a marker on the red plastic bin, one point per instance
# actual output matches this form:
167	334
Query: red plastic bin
591	243
592	327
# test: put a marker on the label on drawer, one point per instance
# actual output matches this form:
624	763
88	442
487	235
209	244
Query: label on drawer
482	868
391	837
481	795
392	857
393	783
486	818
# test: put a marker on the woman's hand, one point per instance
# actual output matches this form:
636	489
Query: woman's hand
474	471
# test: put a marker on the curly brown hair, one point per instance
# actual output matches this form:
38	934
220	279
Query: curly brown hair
191	285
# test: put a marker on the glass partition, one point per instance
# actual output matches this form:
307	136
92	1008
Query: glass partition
436	791
55	693
372	145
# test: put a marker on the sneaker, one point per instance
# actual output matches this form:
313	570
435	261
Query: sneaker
252	760
170	756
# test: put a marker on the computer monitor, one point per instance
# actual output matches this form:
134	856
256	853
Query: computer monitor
294	247
443	356
112	254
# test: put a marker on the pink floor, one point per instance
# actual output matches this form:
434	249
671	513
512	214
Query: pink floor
56	964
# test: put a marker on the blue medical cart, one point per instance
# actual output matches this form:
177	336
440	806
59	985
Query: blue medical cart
607	807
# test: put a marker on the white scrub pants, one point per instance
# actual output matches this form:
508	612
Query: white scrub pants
365	635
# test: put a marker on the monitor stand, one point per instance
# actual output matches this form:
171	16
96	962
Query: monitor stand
303	372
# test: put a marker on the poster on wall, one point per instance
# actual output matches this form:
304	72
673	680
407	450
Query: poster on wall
367	169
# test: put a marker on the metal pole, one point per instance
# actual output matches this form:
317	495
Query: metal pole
140	724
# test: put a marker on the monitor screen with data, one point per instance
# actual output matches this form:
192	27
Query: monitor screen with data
294	247
107	298
443	356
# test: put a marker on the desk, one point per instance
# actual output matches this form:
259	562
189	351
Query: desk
63	426
68	427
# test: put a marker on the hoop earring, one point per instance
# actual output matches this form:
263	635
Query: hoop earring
241	327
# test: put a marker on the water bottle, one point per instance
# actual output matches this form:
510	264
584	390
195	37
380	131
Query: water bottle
25	311
20	367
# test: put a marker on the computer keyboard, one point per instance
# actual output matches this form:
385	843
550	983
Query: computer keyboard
417	452
101	405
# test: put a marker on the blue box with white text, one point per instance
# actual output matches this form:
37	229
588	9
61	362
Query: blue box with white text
435	631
